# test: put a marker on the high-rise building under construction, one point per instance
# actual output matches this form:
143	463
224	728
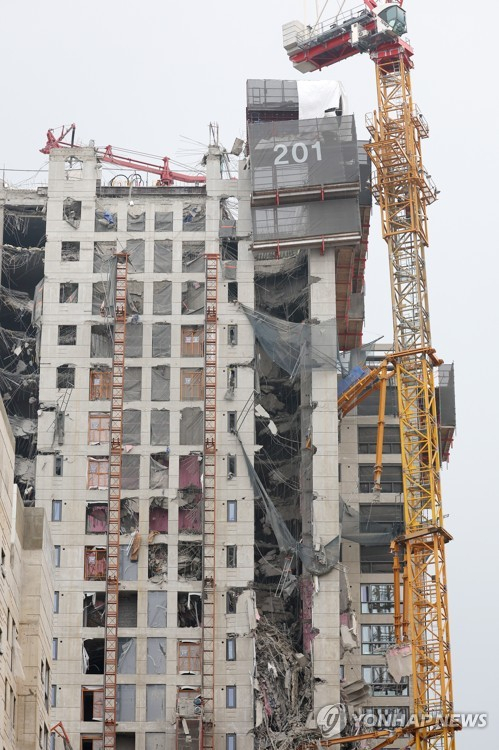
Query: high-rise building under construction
172	361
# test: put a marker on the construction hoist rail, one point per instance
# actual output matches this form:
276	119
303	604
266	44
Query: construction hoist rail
209	522
403	189
114	506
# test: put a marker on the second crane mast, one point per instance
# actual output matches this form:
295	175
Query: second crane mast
403	190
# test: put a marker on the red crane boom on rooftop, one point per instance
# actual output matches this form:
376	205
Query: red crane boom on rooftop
166	176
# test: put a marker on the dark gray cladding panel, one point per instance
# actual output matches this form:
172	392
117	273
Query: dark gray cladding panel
326	218
301	153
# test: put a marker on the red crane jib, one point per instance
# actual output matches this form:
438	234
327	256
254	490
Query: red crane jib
166	176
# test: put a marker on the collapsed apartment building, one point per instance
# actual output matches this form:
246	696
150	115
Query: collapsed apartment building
237	627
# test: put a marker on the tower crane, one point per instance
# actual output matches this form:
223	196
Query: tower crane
403	189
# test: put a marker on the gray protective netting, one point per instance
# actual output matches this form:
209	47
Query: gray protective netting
135	297
229	270
163	256
303	153
162	298
156	609
192	297
106	221
194	217
155	702
160	427
133	340
103	252
160	383
135	220
156	655
100	297
127	655
158	471
101	341
163	221
130	472
37	303
295	346
132	390
125	702
332	218
131	426
191	426
129	514
161	340
136	254
193	257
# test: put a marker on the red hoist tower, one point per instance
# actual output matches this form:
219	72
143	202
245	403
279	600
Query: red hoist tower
209	524
113	529
403	189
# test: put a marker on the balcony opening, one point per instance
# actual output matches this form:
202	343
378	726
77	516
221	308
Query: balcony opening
190	561
93	656
157	569
189	610
92	703
94	609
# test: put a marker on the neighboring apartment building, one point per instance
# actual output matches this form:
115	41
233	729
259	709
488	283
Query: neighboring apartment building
26	590
274	610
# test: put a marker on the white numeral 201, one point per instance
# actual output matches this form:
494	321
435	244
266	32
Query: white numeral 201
299	152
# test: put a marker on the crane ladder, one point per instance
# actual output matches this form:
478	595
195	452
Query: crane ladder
209	527
113	532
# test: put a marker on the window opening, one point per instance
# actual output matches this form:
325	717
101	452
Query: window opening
98	472
232	335
68	292
100	384
189	610
192	344
65	377
231	696
70	251
66	336
189	657
231	552
231	466
231	421
58	465
98	428
56	510
232	291
230	646
231	511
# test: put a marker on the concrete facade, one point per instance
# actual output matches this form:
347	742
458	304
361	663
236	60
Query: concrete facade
26	590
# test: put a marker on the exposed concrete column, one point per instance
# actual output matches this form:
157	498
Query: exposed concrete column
325	500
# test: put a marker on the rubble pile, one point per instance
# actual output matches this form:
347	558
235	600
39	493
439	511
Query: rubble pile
283	685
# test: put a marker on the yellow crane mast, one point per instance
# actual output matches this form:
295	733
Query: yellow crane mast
403	190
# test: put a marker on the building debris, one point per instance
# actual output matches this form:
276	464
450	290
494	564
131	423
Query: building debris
283	691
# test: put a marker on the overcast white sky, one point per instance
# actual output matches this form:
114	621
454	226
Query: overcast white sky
145	76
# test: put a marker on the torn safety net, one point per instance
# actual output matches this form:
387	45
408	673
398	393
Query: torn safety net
317	562
294	346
